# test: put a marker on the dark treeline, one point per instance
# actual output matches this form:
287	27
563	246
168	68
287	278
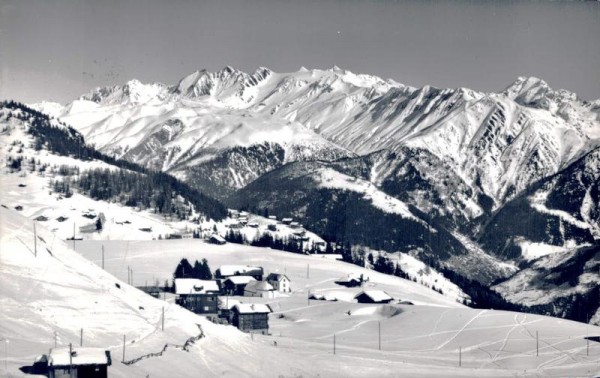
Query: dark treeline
481	296
129	188
199	270
65	140
268	240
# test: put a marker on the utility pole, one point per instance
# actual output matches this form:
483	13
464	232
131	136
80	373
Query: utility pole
81	338
70	360
308	297
587	340
379	327
460	356
123	348
102	256
55	338
6	355
163	319
34	240
334	343
73	235
537	344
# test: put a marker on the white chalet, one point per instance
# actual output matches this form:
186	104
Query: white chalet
280	282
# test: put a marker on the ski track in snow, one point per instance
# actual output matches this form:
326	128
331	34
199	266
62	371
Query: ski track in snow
461	330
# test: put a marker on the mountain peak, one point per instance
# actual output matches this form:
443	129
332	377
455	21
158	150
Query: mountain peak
526	83
534	92
132	91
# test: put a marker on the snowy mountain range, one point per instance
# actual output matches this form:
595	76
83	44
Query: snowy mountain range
448	174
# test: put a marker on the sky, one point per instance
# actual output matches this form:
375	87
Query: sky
57	50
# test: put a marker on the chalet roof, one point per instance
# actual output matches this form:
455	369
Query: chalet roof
218	238
252	308
232	270
256	286
227	303
375	295
80	356
240	280
324	297
348	278
195	286
276	277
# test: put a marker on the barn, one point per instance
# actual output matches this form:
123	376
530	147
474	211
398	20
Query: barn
78	362
199	296
225	306
235	285
250	317
350	281
373	296
261	289
216	239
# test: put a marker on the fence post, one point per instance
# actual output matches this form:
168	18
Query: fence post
70	360
379	329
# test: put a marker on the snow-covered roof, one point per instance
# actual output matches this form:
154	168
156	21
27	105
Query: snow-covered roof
375	295
80	356
240	280
195	286
232	270
218	238
252	308
258	286
348	278
227	303
276	277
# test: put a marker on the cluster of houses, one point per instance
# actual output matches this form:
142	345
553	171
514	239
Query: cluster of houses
202	296
242	220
